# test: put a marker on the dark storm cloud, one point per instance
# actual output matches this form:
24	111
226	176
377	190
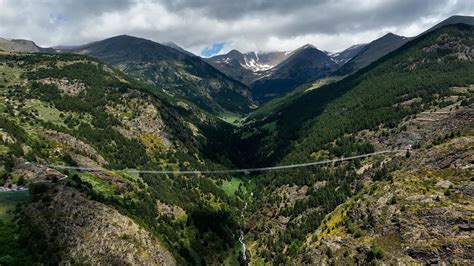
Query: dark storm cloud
73	9
232	10
243	24
315	16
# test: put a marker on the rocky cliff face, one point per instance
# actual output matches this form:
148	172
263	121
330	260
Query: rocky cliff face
91	232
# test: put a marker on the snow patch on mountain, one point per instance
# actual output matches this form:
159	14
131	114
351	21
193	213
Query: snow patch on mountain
253	65
343	57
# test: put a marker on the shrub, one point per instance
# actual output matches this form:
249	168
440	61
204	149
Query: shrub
353	228
358	233
375	252
329	252
447	193
38	188
21	181
54	179
393	200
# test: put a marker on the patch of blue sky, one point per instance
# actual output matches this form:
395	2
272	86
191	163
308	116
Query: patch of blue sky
213	49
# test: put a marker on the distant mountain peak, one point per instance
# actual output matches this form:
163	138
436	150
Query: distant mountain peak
123	37
392	36
344	56
308	46
252	53
372	51
249	66
19	45
177	47
456	19
459	18
304	65
234	52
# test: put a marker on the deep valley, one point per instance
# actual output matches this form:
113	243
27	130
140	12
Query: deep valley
118	152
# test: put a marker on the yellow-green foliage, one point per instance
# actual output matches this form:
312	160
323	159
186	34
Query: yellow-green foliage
230	187
232	256
9	75
63	63
51	114
45	112
331	225
231	118
404	184
3	149
98	184
153	143
321	82
320	154
130	176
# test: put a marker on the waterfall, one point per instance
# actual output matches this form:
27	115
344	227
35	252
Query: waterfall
242	237
241	240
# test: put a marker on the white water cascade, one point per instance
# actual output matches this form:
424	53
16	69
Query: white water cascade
242	237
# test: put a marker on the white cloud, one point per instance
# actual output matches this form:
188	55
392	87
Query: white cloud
244	25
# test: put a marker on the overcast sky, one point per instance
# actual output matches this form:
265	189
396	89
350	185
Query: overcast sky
217	26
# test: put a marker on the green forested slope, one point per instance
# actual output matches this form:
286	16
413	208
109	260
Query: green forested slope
173	72
74	110
327	122
423	68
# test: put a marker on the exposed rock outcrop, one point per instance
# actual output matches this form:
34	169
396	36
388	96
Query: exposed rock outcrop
89	232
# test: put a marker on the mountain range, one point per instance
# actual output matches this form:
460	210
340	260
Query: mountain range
246	67
116	151
371	52
175	72
260	76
